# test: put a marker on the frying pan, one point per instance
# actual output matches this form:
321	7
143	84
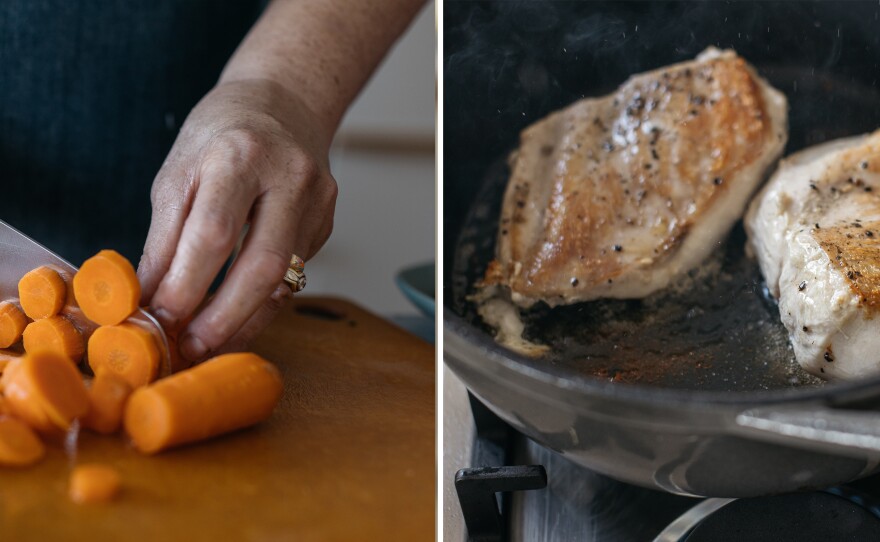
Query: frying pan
695	390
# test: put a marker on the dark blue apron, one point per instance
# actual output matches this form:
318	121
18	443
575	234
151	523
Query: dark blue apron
92	95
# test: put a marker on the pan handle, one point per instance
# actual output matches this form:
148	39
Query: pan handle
816	428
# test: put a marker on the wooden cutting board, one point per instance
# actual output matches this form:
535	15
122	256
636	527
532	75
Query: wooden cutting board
348	454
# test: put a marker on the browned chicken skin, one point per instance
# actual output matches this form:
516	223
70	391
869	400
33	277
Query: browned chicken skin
617	196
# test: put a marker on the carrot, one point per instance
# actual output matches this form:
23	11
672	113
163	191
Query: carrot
12	323
4	408
126	349
94	483
57	334
223	394
107	397
106	288
19	446
42	292
46	391
5	359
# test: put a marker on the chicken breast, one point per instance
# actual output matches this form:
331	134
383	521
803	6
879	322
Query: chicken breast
815	230
617	196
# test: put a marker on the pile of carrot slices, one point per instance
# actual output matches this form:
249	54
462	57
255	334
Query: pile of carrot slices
43	392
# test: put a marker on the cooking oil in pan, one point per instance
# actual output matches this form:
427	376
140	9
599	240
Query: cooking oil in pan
716	329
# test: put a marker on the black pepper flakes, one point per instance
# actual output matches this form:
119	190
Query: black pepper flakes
814	187
654	154
869	233
806	329
864	164
618	248
801	286
817	226
574	281
868	189
828	357
717	181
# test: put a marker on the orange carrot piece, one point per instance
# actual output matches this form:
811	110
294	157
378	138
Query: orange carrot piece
12	323
42	292
57	334
19	446
107	397
4	408
126	349
94	483
106	288
223	394
46	391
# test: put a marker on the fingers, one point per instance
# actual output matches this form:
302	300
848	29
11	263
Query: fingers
255	274
241	340
171	197
284	223
227	187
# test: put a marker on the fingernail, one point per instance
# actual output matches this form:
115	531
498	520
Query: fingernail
164	317
193	348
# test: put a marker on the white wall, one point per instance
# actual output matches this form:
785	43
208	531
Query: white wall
383	160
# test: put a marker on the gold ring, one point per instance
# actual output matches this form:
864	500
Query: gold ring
295	277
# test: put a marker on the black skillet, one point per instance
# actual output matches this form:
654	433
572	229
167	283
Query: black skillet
694	391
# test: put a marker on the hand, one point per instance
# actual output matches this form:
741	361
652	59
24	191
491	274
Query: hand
249	152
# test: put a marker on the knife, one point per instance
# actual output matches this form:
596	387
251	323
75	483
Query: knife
20	254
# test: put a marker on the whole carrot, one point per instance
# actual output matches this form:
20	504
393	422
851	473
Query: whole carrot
223	394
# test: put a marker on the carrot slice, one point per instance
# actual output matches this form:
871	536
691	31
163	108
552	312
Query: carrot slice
19	446
57	334
20	399
223	394
106	288
47	391
94	483
126	349
12	323
107	397
42	292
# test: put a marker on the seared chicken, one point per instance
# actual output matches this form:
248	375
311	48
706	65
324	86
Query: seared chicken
619	195
815	229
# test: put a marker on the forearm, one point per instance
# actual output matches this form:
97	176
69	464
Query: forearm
322	51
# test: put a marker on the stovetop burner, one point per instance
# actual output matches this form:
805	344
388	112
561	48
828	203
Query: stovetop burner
836	514
578	504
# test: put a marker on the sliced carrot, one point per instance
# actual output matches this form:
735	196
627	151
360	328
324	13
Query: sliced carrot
57	334
223	394
46	390
20	399
126	349
107	397
106	288
94	483
19	446
42	292
12	323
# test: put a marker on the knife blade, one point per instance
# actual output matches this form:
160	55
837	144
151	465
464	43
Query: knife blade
20	254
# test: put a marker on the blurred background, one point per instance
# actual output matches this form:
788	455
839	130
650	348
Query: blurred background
383	160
